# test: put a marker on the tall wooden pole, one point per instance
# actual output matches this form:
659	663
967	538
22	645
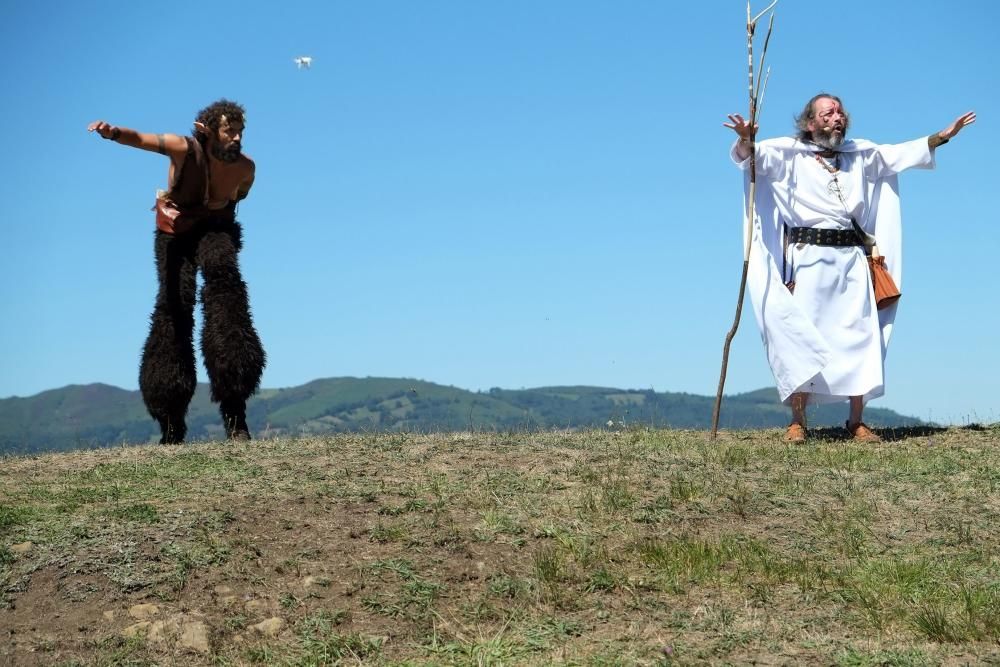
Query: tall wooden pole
755	94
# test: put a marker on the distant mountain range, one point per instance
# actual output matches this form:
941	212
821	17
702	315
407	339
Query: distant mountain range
99	415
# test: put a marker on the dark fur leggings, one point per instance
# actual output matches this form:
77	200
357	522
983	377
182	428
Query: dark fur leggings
234	357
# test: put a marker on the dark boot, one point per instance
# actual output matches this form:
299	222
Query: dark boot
173	430
234	418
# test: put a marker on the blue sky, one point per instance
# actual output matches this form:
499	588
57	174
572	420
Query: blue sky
481	194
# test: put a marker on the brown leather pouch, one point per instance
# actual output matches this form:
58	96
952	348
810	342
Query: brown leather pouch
886	292
169	219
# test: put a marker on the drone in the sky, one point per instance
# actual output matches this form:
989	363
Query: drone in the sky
304	61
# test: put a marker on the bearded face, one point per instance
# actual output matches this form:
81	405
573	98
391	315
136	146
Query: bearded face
228	146
828	125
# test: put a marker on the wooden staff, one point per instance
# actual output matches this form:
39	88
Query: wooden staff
755	91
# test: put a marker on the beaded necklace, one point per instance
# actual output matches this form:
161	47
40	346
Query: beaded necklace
834	168
833	187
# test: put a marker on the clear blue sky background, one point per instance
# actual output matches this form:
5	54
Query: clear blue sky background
511	194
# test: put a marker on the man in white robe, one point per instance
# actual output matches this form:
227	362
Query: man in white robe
811	290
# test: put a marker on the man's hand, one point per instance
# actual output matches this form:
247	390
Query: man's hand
962	121
741	127
106	130
746	131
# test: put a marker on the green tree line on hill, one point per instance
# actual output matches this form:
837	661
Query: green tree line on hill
98	415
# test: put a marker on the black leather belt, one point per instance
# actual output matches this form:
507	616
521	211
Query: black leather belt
817	236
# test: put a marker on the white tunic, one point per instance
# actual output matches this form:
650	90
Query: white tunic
827	338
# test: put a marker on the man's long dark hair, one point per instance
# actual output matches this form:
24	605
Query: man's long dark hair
213	113
809	112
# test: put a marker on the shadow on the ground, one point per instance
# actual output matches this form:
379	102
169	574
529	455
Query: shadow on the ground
891	434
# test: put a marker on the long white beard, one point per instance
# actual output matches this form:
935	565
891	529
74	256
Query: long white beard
831	140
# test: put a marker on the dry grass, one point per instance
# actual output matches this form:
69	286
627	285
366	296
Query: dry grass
598	548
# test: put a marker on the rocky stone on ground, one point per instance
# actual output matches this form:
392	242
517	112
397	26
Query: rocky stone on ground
137	629
143	612
186	630
194	636
257	606
271	627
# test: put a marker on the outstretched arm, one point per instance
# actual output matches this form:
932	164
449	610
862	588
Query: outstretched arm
743	128
168	144
947	133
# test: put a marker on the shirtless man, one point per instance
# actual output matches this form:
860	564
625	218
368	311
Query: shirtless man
208	175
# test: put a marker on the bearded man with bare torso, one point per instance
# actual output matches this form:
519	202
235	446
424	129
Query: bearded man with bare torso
196	231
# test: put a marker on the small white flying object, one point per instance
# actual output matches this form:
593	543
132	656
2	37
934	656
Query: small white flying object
304	61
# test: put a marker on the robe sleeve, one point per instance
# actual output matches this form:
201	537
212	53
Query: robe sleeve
770	162
890	159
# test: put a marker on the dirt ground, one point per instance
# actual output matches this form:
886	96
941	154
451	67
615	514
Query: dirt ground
444	549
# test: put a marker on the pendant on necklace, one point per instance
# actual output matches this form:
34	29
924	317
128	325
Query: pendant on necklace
834	188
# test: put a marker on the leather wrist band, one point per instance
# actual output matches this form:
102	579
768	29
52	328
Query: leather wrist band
935	140
115	133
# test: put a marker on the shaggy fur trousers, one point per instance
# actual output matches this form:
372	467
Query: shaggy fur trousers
233	354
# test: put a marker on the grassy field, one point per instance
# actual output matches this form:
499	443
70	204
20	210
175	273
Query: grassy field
615	547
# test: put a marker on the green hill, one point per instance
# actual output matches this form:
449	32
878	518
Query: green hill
98	415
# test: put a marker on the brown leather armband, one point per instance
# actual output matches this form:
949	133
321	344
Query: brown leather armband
935	140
